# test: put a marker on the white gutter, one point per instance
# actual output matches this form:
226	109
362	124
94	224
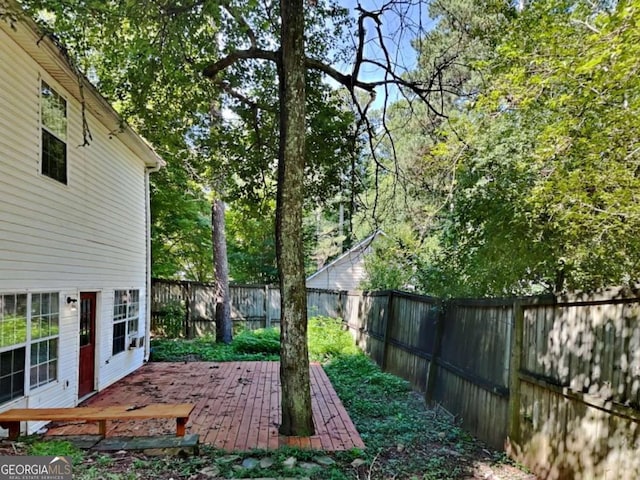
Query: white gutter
147	191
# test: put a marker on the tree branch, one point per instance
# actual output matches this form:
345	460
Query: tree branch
260	54
585	24
243	24
225	87
346	80
361	38
249	54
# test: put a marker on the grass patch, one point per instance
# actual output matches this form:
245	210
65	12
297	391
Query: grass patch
264	340
204	349
55	448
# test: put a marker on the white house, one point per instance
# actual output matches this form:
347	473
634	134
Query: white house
347	271
74	231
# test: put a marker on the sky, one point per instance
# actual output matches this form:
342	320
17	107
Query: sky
400	25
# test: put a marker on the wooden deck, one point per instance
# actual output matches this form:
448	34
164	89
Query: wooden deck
237	406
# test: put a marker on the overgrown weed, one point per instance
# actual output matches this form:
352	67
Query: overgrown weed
403	438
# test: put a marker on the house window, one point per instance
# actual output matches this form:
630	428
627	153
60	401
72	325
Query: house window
45	321
12	374
25	330
126	308
13	341
53	116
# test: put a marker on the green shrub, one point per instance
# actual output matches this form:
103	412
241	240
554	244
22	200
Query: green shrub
329	339
178	349
172	316
263	340
206	349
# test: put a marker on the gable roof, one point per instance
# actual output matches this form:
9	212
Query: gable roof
358	249
53	59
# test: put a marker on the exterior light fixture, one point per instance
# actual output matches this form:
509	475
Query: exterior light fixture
73	302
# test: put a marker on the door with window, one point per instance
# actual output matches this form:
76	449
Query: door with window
87	362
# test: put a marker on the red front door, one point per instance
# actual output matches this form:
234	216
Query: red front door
87	362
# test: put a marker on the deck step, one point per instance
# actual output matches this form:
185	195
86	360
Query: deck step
83	442
154	446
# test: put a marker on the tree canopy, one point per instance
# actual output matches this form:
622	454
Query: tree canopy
536	167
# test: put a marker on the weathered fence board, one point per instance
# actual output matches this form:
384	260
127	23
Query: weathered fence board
410	337
579	382
255	306
484	330
479	411
326	303
251	306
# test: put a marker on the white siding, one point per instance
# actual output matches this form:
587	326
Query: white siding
344	274
113	368
88	235
347	271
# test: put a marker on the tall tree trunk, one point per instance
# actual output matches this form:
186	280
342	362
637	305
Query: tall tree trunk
224	330
294	356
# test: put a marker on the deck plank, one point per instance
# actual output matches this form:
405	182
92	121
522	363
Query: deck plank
321	414
275	419
222	410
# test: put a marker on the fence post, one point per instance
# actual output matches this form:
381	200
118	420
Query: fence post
186	294
387	326
435	353
513	432
267	306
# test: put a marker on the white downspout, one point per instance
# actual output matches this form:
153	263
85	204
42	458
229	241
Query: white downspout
147	191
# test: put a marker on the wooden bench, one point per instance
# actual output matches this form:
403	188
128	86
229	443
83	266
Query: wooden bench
11	418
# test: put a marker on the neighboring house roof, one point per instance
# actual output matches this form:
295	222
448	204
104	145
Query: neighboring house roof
45	50
356	251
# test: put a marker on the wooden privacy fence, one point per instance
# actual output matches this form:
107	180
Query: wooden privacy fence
554	380
252	306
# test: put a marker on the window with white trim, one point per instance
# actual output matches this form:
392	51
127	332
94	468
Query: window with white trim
126	311
29	333
45	324
53	118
